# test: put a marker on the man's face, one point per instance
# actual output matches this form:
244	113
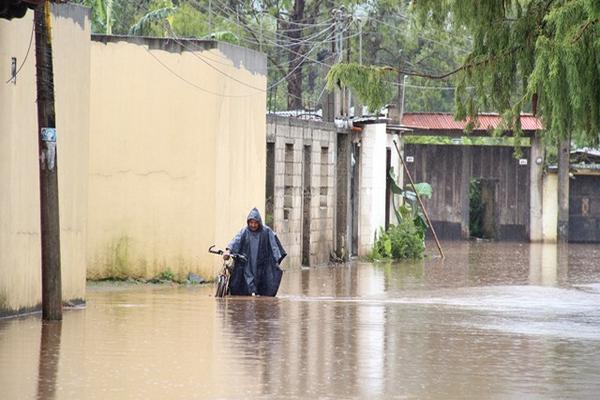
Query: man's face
253	225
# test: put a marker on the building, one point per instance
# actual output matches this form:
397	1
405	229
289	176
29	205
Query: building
160	154
20	237
177	154
511	187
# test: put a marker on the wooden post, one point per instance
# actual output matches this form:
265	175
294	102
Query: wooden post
437	242
50	226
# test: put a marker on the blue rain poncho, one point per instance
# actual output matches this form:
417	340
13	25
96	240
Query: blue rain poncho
260	274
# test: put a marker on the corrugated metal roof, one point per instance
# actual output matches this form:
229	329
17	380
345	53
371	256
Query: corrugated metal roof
445	121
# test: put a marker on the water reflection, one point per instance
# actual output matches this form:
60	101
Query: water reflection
492	320
49	356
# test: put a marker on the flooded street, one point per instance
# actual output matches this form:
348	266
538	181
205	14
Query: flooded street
492	321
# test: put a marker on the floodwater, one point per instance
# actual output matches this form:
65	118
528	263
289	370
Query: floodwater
492	321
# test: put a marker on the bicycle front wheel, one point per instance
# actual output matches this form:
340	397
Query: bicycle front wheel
221	286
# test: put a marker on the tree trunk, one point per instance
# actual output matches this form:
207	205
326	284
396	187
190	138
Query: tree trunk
564	152
50	226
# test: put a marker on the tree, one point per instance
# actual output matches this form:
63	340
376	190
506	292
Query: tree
394	38
538	53
529	54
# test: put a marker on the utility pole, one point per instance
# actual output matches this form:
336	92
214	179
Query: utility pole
50	226
339	15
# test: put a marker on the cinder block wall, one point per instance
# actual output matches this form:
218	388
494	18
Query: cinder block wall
294	187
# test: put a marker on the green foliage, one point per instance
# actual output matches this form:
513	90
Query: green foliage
410	208
475	209
389	37
402	241
393	37
537	50
407	238
370	84
155	17
188	22
469	140
166	275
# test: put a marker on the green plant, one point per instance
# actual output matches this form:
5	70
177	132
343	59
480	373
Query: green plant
475	208
372	85
402	241
166	275
407	238
410	208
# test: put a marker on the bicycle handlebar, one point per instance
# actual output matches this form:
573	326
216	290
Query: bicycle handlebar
232	255
210	250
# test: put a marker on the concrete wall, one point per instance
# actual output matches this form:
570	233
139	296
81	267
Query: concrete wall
550	207
20	259
536	187
177	157
291	136
371	214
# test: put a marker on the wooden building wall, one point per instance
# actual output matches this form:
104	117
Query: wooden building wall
584	209
449	169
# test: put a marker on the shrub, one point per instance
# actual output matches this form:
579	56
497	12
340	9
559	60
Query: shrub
402	241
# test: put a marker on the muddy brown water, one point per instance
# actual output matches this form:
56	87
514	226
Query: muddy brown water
492	321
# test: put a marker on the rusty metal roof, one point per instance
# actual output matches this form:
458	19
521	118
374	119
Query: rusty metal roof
445	122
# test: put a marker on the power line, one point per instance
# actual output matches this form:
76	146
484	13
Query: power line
237	80
192	83
404	17
14	77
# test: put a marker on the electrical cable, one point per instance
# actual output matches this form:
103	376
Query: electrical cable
14	78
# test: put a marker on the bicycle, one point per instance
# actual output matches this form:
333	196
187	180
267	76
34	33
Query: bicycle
225	275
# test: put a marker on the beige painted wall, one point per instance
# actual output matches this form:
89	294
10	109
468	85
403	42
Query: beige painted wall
177	153
550	207
20	269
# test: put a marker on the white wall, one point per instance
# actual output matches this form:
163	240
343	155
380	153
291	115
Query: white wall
550	207
372	185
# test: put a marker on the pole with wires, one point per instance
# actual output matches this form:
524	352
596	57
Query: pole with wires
339	16
49	216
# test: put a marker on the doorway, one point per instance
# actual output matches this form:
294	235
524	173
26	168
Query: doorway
482	208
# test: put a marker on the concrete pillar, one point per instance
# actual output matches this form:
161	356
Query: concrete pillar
465	181
564	153
343	230
371	214
550	208
536	169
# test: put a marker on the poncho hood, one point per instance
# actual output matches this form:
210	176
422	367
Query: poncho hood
255	215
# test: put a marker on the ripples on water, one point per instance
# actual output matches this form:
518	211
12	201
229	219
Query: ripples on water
491	321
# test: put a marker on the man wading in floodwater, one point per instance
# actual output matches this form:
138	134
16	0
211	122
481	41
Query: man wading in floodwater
260	275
